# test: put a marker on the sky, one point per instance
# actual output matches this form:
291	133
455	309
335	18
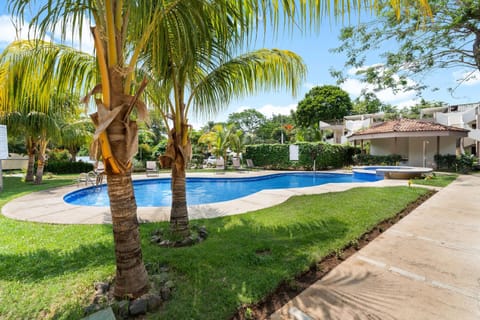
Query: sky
314	50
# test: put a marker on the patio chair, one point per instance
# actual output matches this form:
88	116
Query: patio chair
220	165
152	169
250	164
99	173
236	164
86	178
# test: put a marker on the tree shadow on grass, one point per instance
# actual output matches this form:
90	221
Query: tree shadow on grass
242	261
43	263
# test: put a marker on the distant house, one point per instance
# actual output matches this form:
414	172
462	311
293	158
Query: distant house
466	116
416	141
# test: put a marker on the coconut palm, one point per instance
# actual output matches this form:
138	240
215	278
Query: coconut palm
122	31
27	82
221	139
204	88
76	133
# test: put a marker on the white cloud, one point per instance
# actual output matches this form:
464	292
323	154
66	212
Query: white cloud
309	85
269	110
355	87
468	78
9	34
83	43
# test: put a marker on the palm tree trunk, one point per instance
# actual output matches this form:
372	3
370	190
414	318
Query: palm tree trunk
42	148
131	275
40	166
179	211
31	164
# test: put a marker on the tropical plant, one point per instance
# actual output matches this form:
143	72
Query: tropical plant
136	25
208	85
222	138
30	86
76	133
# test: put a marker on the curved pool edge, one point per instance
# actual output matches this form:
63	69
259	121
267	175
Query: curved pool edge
392	172
48	206
94	196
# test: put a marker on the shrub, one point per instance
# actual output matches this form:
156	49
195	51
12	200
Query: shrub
325	156
464	164
59	167
367	159
446	162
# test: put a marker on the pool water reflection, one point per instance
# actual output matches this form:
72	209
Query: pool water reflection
157	193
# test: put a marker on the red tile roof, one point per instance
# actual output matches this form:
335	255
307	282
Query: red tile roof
407	125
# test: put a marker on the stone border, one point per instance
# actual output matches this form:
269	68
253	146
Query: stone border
48	206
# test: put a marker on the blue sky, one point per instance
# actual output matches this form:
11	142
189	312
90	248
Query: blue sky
314	49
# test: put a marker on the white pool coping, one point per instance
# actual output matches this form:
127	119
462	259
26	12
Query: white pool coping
48	206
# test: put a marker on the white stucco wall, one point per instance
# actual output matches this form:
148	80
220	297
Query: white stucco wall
412	148
387	146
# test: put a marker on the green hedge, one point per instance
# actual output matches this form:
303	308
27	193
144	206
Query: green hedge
366	159
59	167
276	156
450	162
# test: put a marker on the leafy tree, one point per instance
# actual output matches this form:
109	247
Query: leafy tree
414	111
451	38
249	121
367	103
322	103
273	128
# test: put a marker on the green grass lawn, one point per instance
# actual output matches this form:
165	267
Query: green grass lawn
436	180
48	271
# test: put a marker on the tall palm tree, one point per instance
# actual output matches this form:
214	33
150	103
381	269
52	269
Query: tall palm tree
122	31
27	82
204	88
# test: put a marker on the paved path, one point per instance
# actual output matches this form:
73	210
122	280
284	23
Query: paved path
48	206
427	266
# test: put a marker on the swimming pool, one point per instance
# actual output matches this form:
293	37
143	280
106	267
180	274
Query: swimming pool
157	193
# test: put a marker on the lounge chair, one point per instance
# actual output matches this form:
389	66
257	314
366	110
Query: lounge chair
152	169
220	165
236	164
250	164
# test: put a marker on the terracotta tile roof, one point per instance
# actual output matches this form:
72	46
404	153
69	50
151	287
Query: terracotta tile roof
407	125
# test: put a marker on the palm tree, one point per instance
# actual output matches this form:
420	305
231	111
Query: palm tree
76	133
204	89
27	82
122	25
221	138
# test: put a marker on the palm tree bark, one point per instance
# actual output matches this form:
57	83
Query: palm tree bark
131	275
31	160
41	160
179	211
40	167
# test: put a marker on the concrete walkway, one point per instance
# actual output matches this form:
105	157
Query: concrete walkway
48	206
427	266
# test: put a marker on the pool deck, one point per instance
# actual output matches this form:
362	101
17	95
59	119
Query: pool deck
426	266
48	206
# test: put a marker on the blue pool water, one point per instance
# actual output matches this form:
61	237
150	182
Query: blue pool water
157	193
